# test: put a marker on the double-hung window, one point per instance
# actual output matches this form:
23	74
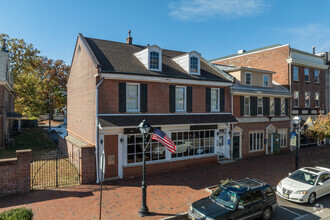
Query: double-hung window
214	100
256	141
317	76
248	79
282	106
306	72
307	99
154	60
180	98
272	107
194	64
317	100
296	99
266	80
283	137
260	103
132	97
295	73
246	105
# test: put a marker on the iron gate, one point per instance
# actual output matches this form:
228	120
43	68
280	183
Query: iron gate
54	169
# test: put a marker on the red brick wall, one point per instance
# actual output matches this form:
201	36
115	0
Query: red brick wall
168	166
15	173
109	100
272	59
256	126
81	96
311	86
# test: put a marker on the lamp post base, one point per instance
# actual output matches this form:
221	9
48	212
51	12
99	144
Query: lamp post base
143	211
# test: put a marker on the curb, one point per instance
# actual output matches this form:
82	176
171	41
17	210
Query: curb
180	216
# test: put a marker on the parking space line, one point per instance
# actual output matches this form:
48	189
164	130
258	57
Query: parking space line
289	211
302	216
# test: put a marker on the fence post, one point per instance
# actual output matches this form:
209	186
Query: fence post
56	168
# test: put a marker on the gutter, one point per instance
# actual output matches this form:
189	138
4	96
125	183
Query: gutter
97	132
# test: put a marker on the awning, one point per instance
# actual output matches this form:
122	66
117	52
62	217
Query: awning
13	115
154	120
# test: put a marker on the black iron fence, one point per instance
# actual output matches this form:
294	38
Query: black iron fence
54	169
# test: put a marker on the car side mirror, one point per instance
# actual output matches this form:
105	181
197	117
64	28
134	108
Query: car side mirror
289	174
240	207
319	183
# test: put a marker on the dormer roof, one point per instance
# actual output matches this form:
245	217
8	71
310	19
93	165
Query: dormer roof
116	57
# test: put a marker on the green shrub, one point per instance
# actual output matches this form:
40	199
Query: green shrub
17	214
224	182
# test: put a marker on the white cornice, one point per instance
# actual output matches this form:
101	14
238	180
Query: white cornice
209	113
129	77
261	119
260	94
305	63
7	85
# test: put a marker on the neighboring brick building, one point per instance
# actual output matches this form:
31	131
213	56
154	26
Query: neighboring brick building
326	56
117	85
261	107
301	72
7	97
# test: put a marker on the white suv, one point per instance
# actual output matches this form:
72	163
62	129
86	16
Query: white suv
305	185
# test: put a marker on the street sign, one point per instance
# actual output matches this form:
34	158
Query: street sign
293	138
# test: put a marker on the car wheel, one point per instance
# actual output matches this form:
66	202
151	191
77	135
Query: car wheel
267	213
52	131
312	198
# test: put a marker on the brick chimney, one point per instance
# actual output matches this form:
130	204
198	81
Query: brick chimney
129	40
4	45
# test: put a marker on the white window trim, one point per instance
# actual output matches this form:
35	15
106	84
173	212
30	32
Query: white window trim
295	106
283	131
249	106
250	78
263	80
317	106
282	101
309	77
262	106
134	110
218	109
262	141
185	99
159	60
297	73
309	105
198	66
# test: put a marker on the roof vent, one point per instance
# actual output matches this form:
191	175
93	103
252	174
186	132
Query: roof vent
241	51
129	40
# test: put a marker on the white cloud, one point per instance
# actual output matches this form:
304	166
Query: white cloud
206	9
305	37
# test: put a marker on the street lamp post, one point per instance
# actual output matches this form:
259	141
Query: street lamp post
296	124
144	129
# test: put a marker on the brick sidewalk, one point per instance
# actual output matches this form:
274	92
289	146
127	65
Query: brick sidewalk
167	193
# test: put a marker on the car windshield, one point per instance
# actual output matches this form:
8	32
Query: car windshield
304	177
225	197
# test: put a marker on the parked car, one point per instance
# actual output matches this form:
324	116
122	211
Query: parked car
305	185
241	199
58	129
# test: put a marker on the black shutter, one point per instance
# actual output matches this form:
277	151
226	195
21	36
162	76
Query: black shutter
266	105
242	105
222	99
208	99
277	106
253	106
122	97
286	106
189	98
172	98
144	97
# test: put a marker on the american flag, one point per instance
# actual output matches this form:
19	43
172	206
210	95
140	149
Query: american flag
162	138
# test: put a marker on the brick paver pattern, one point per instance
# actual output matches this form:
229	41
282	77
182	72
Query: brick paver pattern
167	193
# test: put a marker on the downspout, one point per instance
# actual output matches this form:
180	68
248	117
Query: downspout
97	131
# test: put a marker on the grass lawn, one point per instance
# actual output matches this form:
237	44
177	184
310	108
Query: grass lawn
29	138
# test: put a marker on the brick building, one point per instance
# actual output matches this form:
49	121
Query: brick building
261	107
7	97
326	56
301	72
113	86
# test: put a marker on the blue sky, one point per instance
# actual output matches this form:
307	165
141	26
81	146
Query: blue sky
215	28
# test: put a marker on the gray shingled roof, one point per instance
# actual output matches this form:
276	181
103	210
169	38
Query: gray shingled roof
116	57
155	120
246	52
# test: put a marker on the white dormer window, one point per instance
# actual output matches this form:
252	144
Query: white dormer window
193	64
190	62
151	57
154	60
